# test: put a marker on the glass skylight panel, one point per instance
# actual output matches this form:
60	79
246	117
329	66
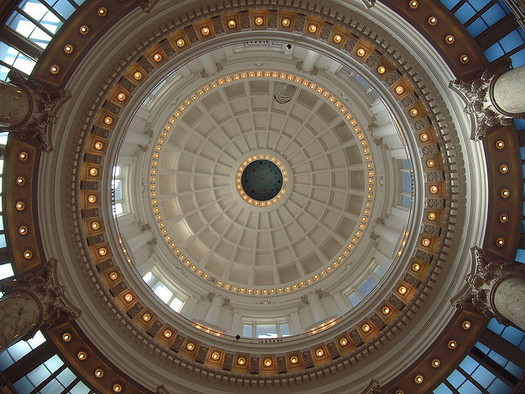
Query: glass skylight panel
117	187
63	7
354	298
3	139
494	14
465	12
367	286
6	271
80	388
442	389
52	387
3	72
162	292
379	271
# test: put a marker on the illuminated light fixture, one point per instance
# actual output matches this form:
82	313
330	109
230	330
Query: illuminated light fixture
500	242
22	230
117	388
205	31
190	346
128	297
66	337
505	193
108	120
503	218
93	171
137	75
452	344
215	356
432	21
436	363
500	144
400	89
466	325
402	290
365	327
361	52
28	254
180	43
81	356
385	310
418	379
20	206
54	69
102	251
68	48
464	59
425	242
319	352
259	21
102	12
503	168
337	38
312	28
431	216
294	359
449	39
381	69
167	333
413	4
434	189
431	163
99	373
268	362
285	22
157	57
399	392
146	317
84	29
92	199
343	341
22	156
232	24
423	137
241	361
113	275
414	112
98	145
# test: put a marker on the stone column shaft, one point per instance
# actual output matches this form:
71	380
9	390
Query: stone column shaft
20	314
15	105
387	233
317	308
508	92
214	310
509	300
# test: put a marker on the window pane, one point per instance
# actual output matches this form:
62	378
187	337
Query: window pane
148	278
52	387
266	330
247	330
354	298
176	304
285	329
162	292
80	388
37	340
66	377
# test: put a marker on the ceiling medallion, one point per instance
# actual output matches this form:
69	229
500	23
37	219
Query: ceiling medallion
331	100
262	180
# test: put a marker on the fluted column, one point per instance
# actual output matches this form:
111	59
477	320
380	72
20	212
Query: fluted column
316	307
20	314
210	67
31	302
15	105
384	130
497	289
214	310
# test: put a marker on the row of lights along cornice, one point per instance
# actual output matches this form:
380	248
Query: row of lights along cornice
268	75
137	76
338	35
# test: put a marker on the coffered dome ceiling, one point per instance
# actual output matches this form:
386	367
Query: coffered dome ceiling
356	144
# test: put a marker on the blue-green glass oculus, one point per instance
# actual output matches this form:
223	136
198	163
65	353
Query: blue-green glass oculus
262	180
